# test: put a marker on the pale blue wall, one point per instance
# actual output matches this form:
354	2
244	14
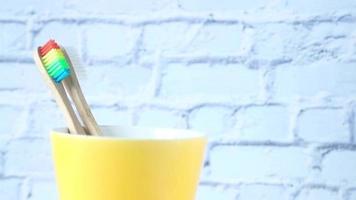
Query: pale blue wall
272	82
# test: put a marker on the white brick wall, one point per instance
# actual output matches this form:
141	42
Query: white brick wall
252	123
228	81
273	84
334	171
323	125
248	163
28	157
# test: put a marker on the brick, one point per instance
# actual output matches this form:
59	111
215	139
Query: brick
263	192
314	8
277	41
159	37
326	41
30	6
206	192
212	120
124	82
23	73
201	80
120	6
66	34
339	166
44	117
324	31
317	193
111	116
225	5
258	163
322	78
10	117
43	189
152	117
10	189
107	41
12	37
29	156
263	123
323	125
181	38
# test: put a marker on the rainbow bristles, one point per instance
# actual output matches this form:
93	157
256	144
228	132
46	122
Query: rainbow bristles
54	61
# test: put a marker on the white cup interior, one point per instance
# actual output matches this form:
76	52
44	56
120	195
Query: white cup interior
128	132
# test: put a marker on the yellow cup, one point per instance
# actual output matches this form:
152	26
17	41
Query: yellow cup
128	163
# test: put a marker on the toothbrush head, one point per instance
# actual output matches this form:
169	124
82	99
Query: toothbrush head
54	61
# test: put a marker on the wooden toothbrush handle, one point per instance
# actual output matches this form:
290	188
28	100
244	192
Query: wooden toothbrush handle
72	86
61	99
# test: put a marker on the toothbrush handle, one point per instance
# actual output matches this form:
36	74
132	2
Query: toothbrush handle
72	86
61	99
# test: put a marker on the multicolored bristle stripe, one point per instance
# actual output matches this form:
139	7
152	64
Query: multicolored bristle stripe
54	61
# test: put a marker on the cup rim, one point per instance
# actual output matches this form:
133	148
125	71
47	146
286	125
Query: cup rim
155	134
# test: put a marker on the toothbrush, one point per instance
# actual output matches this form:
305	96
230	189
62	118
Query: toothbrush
57	70
72	86
58	90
